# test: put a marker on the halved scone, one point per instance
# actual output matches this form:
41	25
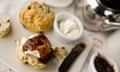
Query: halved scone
35	50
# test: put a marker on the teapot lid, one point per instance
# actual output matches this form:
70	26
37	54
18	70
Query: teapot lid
111	5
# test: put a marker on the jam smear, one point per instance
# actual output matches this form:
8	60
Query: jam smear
102	65
33	42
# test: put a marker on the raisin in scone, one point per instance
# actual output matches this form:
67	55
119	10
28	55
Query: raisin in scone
36	16
4	25
35	50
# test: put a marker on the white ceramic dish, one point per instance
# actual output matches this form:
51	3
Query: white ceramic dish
62	37
80	61
8	45
92	68
58	3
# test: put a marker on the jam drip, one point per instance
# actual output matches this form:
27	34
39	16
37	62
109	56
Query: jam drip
47	58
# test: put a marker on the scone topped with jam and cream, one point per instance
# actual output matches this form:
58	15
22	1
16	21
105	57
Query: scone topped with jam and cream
36	16
35	50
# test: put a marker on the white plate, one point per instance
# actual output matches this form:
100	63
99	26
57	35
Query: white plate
58	3
5	67
8	45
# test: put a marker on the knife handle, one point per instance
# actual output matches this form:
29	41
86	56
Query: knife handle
68	61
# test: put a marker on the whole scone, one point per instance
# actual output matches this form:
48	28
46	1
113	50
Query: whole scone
35	50
36	16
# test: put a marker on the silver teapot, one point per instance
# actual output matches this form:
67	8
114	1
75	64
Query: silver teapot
101	15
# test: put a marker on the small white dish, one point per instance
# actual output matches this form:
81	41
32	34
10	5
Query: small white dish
82	58
61	36
91	67
58	3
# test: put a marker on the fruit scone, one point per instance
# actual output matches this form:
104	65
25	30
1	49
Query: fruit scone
36	16
4	25
35	50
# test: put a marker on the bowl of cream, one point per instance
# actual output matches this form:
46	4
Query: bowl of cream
67	27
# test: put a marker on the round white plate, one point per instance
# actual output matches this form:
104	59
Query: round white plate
58	3
8	45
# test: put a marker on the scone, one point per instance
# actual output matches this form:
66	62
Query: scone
4	25
36	16
35	50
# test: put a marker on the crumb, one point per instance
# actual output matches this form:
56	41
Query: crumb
60	53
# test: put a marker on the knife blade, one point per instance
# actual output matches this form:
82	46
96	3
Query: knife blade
69	60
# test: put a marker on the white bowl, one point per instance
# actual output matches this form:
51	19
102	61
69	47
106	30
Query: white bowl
91	67
61	36
58	3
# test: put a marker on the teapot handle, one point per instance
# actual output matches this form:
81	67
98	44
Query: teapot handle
112	19
111	23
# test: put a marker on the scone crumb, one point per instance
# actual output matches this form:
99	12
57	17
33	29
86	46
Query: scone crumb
60	52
